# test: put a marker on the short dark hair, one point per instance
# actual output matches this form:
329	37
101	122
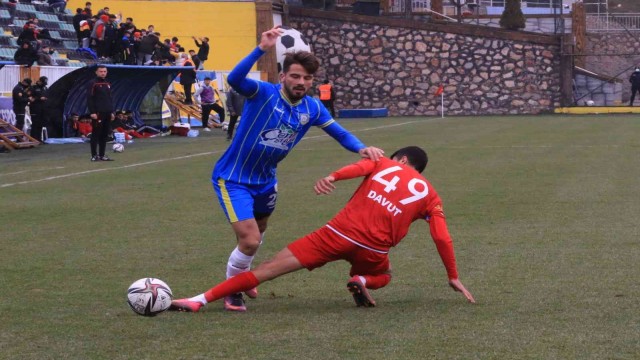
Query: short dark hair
417	157
27	81
174	39
87	3
130	18
100	66
206	38
207	78
303	58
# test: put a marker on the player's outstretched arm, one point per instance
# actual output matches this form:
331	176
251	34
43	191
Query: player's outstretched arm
325	185
457	286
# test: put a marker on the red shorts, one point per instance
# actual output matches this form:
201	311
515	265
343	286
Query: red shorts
324	245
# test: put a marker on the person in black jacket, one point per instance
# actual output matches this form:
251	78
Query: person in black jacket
100	104
203	51
187	79
26	55
20	97
37	107
635	84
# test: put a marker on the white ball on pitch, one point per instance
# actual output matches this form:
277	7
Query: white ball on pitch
291	40
590	102
149	296
117	147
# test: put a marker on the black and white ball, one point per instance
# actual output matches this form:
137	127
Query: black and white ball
117	147
291	40
149	296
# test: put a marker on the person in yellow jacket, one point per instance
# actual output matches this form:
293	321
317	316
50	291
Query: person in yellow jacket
327	96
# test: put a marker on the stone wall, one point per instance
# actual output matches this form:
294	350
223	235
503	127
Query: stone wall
400	67
614	54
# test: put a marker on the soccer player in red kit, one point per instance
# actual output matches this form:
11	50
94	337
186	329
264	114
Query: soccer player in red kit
392	195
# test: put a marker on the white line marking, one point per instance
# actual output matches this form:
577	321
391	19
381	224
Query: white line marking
171	159
305	138
25	171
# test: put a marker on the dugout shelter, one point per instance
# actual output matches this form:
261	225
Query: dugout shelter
129	86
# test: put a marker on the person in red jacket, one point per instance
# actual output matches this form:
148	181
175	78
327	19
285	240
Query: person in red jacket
392	195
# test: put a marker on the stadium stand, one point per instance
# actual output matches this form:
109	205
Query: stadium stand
60	26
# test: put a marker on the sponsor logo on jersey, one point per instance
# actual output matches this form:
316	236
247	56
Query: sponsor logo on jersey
304	119
279	138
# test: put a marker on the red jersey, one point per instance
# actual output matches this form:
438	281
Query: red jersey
389	199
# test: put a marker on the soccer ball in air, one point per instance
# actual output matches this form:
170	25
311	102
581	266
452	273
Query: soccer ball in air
590	102
149	296
117	147
291	40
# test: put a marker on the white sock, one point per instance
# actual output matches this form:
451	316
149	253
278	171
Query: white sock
238	263
199	298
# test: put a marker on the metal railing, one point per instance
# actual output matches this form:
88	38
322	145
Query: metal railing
613	22
417	6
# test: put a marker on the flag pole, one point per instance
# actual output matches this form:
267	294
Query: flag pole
442	104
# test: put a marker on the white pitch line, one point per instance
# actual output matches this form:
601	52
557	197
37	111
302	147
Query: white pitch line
25	171
48	178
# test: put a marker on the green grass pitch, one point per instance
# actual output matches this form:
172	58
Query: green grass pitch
544	212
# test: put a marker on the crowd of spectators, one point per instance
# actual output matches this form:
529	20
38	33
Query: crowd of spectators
117	40
108	38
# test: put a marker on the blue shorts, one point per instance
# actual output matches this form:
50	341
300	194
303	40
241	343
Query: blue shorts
242	202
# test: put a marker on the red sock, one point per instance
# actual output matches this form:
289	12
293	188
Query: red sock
239	283
377	281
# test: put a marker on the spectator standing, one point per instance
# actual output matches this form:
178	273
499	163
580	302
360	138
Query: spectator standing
85	34
327	96
11	7
77	18
100	104
57	5
148	45
87	10
37	107
187	79
235	103
98	35
203	51
20	96
635	84
195	59
209	99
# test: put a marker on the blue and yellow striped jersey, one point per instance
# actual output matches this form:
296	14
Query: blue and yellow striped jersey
271	126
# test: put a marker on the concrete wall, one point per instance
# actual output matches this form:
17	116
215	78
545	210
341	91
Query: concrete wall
378	62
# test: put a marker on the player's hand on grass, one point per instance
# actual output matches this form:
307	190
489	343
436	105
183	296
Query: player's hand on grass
324	185
457	286
372	153
269	38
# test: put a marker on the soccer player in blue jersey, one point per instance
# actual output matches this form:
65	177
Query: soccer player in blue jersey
274	120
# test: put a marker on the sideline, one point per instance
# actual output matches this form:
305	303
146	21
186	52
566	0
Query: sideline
80	173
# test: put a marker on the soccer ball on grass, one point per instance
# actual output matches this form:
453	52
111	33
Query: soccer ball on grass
291	40
149	296
117	147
